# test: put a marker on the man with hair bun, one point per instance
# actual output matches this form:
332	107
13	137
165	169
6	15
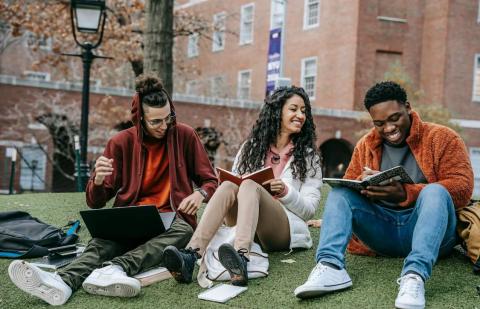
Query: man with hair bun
416	221
156	161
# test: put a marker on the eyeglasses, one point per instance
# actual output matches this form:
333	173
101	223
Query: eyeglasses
155	123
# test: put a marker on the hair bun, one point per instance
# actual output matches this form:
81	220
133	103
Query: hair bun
148	83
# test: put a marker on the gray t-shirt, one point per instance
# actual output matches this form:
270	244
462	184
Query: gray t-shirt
401	155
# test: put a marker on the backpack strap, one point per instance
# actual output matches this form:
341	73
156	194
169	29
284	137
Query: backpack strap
75	226
35	251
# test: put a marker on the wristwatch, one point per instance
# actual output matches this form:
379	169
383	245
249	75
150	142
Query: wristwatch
202	192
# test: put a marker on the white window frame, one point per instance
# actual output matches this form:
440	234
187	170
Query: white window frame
476	78
245	37
214	91
306	14
478	14
302	78
273	13
44	44
192	45
34	75
219	33
240	86
191	87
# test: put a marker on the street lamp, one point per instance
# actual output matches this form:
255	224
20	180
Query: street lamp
87	16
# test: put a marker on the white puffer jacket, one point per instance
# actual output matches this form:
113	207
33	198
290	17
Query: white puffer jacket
300	203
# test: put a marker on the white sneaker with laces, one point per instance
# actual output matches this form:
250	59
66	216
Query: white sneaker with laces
412	292
323	279
111	280
45	285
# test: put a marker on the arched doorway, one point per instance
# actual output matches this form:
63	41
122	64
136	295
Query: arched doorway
336	155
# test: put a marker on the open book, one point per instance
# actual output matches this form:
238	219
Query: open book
259	176
152	276
396	173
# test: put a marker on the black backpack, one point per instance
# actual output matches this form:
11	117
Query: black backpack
23	236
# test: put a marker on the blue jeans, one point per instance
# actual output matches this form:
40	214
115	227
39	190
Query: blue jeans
420	234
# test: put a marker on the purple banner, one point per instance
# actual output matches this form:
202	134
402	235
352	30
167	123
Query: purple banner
274	58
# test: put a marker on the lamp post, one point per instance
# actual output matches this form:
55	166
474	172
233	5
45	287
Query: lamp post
87	16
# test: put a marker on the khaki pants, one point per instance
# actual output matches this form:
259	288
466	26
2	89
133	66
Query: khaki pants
133	259
252	209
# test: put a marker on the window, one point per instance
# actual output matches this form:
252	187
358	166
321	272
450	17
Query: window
475	159
246	23
192	87
244	83
34	41
219	31
32	75
309	76
476	79
33	168
192	50
478	15
217	87
311	14
277	14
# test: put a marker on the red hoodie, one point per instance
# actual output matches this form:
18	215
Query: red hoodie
188	164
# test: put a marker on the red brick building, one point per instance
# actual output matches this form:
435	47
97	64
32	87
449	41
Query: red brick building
334	49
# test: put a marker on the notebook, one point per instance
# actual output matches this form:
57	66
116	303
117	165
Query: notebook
259	176
396	173
127	224
221	293
152	276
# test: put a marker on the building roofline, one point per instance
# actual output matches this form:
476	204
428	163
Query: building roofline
193	99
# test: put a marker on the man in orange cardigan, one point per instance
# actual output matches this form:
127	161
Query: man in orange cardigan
415	221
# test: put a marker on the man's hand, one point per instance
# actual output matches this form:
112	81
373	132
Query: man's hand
392	192
191	203
103	167
277	186
368	172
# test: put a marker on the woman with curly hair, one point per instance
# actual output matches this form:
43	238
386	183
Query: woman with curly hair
283	137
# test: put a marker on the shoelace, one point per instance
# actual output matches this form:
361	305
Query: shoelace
409	284
242	253
317	270
193	252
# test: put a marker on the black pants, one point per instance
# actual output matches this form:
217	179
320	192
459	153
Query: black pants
133	259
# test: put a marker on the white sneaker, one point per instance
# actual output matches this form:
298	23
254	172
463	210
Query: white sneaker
43	284
111	280
322	280
412	292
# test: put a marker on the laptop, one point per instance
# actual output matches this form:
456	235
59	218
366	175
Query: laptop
127	224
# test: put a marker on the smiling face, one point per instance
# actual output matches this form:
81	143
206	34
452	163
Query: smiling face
293	115
156	120
392	121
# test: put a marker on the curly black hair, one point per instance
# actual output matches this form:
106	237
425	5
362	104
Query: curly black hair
151	90
266	129
385	91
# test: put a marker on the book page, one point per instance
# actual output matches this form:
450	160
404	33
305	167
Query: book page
339	182
225	175
261	176
396	173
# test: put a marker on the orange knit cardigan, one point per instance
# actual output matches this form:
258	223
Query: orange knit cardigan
440	153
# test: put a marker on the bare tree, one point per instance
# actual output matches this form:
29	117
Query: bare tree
61	119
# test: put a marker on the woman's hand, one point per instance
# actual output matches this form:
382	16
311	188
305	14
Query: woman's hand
277	186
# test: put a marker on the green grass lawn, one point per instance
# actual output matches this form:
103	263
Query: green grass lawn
374	279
